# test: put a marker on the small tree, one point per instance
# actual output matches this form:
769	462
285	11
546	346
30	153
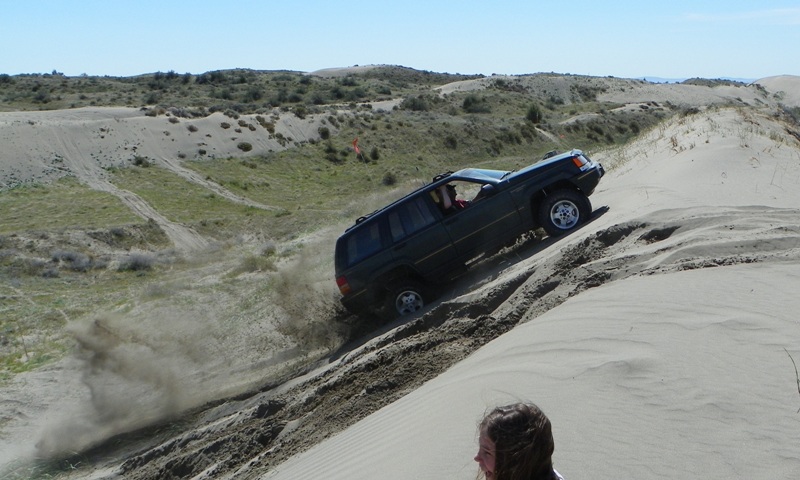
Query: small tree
534	114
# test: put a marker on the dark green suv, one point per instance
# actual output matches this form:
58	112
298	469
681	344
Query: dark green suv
390	260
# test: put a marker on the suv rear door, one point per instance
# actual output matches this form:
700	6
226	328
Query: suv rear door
419	239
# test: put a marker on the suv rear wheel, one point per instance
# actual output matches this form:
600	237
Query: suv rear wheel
563	210
404	297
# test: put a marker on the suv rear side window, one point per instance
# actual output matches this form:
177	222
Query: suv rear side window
410	217
363	242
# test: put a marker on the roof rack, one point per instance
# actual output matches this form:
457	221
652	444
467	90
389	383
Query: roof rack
441	176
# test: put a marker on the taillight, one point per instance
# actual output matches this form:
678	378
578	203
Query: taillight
344	287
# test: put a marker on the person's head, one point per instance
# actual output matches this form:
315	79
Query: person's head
451	190
516	443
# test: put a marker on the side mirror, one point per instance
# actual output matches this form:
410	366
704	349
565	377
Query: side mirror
486	191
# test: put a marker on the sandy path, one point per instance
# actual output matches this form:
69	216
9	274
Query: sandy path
39	146
88	172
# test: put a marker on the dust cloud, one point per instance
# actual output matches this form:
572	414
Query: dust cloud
184	341
131	377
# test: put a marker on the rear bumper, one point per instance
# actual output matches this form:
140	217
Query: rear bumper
359	302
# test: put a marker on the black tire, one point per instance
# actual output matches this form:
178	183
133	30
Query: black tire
404	298
562	211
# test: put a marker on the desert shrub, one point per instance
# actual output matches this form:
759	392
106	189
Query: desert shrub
41	97
137	262
50	272
553	102
374	154
19	266
253	94
75	261
244	146
349	81
416	104
688	111
174	120
475	104
324	133
534	114
451	142
331	154
141	161
389	179
791	113
255	263
192	128
269	126
225	125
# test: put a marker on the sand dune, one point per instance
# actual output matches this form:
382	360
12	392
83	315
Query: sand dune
678	365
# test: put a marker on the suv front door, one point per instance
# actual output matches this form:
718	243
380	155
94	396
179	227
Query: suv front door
488	220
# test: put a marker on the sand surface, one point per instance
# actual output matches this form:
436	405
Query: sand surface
683	351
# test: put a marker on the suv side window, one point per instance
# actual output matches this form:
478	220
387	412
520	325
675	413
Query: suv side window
410	217
363	242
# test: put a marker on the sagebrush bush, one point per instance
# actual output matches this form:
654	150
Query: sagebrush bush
74	261
417	104
141	161
389	179
137	262
475	104
244	146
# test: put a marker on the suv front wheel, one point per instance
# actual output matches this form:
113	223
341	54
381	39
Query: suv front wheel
563	210
404	298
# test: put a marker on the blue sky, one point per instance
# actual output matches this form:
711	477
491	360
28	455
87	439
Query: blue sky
675	39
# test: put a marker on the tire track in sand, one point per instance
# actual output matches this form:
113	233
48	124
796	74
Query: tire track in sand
88	172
